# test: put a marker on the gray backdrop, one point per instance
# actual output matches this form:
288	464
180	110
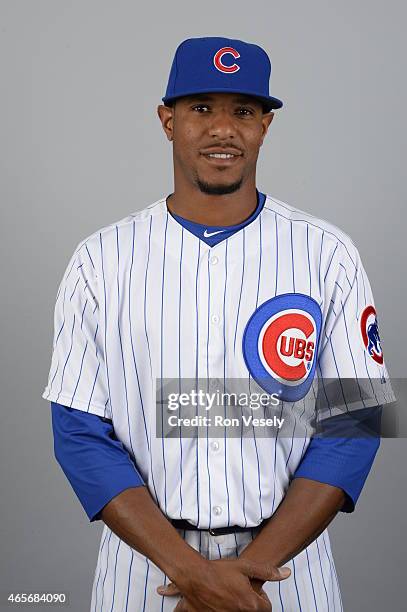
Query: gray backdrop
81	147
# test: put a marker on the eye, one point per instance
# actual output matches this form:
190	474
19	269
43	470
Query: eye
200	108
244	111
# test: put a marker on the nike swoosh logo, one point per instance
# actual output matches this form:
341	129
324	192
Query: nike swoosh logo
208	235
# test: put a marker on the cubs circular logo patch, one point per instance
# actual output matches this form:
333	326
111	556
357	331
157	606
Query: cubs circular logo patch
280	344
369	329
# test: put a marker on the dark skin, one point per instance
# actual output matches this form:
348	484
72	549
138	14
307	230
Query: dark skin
215	123
215	191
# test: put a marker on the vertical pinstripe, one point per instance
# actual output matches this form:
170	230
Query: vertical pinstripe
67	359
121	341
128	581
249	381
132	341
241	287
114	577
196	376
296	586
146	584
161	359
105	302
311	581
207	377
225	439
179	362
322	575
107	566
145	294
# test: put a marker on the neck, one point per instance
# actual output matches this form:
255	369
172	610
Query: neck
230	209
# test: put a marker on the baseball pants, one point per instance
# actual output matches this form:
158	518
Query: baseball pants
126	581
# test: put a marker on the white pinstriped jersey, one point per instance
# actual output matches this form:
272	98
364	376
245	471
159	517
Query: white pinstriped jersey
144	299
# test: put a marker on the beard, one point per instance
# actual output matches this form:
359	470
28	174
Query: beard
214	189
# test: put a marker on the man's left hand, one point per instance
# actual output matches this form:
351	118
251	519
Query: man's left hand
171	590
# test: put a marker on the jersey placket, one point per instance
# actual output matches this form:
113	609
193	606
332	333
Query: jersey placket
211	459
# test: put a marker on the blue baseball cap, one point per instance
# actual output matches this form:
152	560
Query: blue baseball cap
216	64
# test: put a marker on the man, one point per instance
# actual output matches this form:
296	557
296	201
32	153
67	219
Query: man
221	283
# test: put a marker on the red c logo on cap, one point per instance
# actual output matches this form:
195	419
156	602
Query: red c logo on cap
217	60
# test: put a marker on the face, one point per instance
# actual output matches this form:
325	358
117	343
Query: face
216	139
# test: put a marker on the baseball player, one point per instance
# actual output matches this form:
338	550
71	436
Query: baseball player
216	282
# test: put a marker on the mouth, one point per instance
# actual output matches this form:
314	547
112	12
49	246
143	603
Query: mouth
221	157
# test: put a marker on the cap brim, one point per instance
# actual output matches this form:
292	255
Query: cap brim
269	102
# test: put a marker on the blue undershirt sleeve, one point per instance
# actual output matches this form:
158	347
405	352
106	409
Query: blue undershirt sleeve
94	461
98	467
342	455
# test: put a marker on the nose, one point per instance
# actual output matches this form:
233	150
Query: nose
222	125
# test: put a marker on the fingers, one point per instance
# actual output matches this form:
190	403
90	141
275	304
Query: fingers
264	595
171	589
256	584
184	606
263	571
168	589
262	602
256	571
180	607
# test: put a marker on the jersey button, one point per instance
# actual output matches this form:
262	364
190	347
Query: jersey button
217	510
215	445
215	319
215	384
214	260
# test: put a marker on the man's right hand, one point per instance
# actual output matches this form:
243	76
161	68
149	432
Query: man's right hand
223	585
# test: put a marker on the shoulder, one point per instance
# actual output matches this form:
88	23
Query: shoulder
101	246
105	238
328	236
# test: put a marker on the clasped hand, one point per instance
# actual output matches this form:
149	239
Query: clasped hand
225	585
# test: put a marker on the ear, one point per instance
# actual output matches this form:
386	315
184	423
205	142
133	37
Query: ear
166	115
266	121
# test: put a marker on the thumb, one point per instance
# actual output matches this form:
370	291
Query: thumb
263	571
168	589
